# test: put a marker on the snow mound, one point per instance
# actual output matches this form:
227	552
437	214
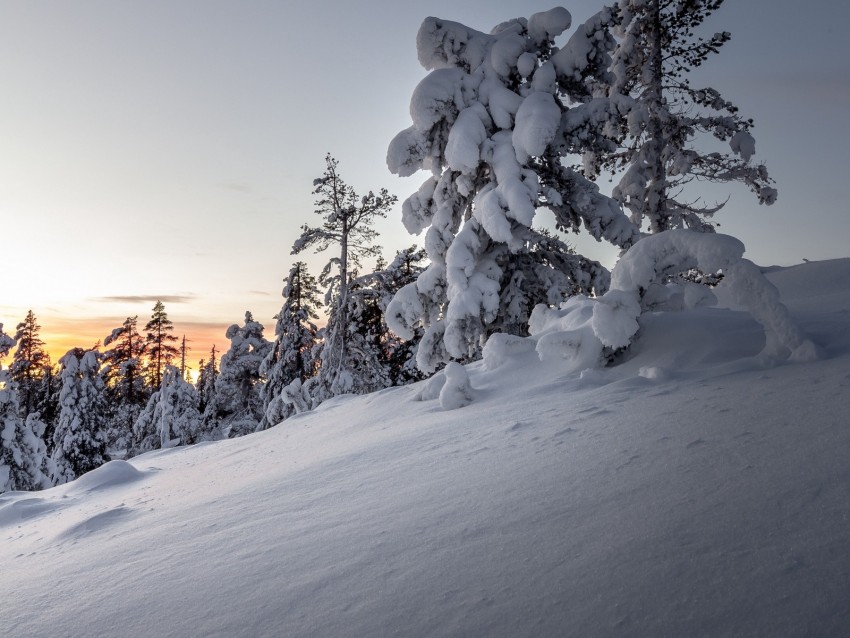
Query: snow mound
456	391
812	283
97	523
20	506
502	349
112	474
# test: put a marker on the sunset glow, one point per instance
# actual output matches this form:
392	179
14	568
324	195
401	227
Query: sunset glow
61	334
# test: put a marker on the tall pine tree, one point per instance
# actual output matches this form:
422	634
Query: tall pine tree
290	356
665	118
126	391
348	222
29	363
159	344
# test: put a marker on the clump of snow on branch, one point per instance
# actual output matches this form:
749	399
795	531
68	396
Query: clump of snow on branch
566	334
502	348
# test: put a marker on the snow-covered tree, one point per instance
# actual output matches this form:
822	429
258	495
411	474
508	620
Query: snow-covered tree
656	49
184	350
23	455
79	441
171	416
47	403
548	273
159	344
126	390
205	385
290	356
238	405
370	297
22	452
494	121
348	221
29	363
365	335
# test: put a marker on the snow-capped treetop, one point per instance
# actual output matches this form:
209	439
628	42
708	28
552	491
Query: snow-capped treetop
238	404
348	223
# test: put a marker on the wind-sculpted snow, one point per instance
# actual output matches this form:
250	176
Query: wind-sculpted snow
691	489
16	507
107	476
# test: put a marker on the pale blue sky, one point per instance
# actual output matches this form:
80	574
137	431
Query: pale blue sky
167	147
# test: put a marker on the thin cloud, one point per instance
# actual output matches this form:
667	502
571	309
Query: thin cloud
145	299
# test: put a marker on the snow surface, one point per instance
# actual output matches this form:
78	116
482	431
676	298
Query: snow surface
689	490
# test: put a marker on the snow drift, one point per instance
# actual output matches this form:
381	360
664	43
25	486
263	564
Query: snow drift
696	488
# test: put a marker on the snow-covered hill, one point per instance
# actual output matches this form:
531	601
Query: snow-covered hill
693	490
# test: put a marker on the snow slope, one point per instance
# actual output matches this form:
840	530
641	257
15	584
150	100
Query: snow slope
692	490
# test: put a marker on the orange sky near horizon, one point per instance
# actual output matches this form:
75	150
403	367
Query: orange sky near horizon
61	334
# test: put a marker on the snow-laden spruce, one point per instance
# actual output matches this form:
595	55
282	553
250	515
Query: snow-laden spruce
491	122
238	405
381	360
376	291
125	387
28	364
171	416
79	441
664	117
24	464
290	356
